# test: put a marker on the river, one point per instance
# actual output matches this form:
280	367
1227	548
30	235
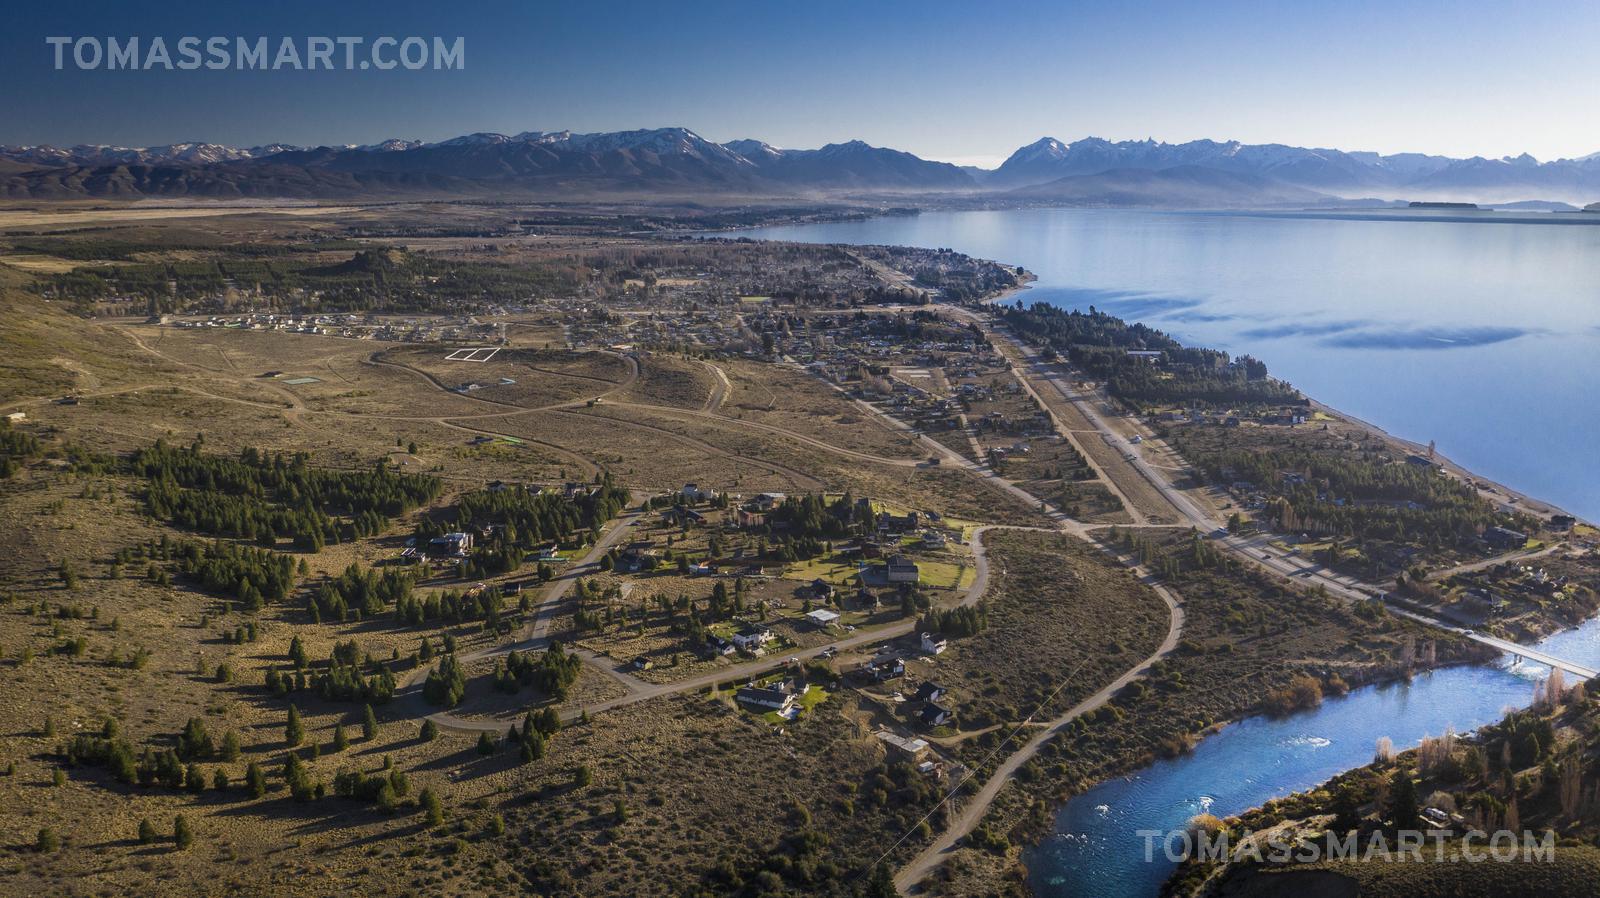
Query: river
1477	331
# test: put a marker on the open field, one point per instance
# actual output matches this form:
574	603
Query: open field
790	399
672	381
56	219
1055	603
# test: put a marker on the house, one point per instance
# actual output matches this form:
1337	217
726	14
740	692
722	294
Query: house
900	569
450	545
717	646
898	523
913	748
15	417
1421	461
933	715
682	514
768	501
753	638
779	697
934	644
933	539
822	617
643	662
749	518
703	569
637	557
1505	538
692	492
930	691
886	668
821	588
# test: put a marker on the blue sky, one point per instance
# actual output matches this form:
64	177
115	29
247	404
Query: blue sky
958	81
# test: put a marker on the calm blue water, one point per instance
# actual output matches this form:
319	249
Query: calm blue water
1483	336
1097	852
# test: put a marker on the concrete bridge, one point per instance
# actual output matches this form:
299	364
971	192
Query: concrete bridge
1504	645
1588	673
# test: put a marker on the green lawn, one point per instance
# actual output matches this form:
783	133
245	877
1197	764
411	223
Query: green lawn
830	568
946	575
812	697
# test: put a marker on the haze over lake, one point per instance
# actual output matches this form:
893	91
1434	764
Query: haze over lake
1481	334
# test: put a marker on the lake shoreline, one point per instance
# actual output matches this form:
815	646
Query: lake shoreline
1523	500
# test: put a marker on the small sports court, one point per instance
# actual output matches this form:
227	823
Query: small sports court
480	354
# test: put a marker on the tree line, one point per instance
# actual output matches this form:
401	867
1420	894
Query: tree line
268	496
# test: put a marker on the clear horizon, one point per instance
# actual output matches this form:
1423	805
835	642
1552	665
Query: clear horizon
1461	80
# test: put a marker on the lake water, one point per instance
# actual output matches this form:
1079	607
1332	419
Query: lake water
1480	334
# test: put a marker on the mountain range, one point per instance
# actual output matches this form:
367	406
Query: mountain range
677	161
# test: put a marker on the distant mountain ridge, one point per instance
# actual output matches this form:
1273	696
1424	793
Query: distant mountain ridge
676	159
1414	175
1181	186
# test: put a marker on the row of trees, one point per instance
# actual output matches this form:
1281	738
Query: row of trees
1098	343
519	519
252	576
367	592
552	673
16	447
1365	494
267	497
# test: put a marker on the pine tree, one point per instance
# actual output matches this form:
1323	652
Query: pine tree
485	744
431	807
881	885
147	832
230	746
1346	810
219	780
294	732
369	724
182	835
48	842
430	730
1403	809
255	780
194	779
340	740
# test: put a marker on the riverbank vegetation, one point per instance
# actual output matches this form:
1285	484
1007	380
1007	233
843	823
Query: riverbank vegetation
1535	772
1251	644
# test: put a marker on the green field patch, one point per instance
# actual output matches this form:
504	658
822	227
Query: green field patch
831	569
945	575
